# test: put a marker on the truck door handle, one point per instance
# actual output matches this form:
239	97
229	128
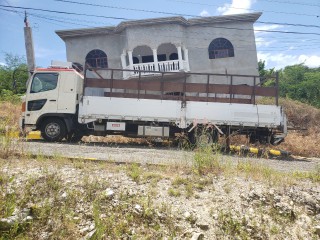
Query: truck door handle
52	100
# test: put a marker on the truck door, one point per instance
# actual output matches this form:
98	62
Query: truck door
67	93
42	96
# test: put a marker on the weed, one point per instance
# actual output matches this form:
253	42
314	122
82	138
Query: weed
7	197
227	188
189	190
205	160
282	217
201	183
274	230
192	219
7	146
152	177
232	225
134	171
174	192
313	176
180	181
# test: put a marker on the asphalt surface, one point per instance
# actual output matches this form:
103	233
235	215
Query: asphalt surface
124	153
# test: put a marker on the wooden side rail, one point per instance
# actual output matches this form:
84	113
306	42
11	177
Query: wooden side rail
166	83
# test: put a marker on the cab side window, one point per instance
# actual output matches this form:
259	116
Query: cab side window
43	82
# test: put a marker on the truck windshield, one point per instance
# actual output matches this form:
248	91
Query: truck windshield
43	82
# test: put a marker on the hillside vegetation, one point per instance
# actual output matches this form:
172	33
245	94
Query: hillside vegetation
297	82
303	119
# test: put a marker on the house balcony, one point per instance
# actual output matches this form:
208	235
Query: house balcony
166	58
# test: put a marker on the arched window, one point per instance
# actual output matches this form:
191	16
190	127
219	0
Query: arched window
97	58
220	48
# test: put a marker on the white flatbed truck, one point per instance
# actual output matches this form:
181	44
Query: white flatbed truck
65	103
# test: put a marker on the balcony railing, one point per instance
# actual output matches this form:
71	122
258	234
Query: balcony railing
169	66
163	66
143	67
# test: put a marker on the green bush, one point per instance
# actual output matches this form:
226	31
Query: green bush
9	96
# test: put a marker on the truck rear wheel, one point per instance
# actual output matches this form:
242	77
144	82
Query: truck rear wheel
53	129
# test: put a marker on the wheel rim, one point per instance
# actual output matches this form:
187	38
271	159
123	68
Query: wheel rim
52	130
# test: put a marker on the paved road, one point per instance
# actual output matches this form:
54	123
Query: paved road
151	155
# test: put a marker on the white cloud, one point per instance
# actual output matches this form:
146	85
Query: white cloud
236	7
3	64
267	27
262	42
281	60
310	61
204	13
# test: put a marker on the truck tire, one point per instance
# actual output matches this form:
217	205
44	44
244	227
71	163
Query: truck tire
204	137
74	136
53	129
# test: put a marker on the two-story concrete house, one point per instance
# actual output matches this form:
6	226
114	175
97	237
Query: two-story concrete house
208	44
220	44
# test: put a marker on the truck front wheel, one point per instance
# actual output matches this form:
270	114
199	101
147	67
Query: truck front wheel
53	129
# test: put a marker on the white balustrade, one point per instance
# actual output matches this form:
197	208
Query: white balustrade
143	67
164	66
169	66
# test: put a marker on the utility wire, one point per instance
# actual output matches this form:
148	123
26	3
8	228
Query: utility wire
281	2
234	28
76	22
239	47
46	17
168	13
215	5
293	47
62	12
293	3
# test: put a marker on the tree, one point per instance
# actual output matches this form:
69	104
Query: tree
264	73
301	83
297	82
15	66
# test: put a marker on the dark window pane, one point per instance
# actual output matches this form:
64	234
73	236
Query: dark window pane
135	60
220	48
97	58
146	59
162	57
173	56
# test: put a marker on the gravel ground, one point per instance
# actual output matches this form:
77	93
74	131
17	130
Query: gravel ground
69	200
151	155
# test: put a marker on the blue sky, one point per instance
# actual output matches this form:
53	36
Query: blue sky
277	49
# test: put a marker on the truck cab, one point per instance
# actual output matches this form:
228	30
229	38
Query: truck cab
51	101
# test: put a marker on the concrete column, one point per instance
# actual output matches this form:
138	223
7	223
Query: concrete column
130	60
29	49
123	61
124	65
180	58
155	59
186	58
